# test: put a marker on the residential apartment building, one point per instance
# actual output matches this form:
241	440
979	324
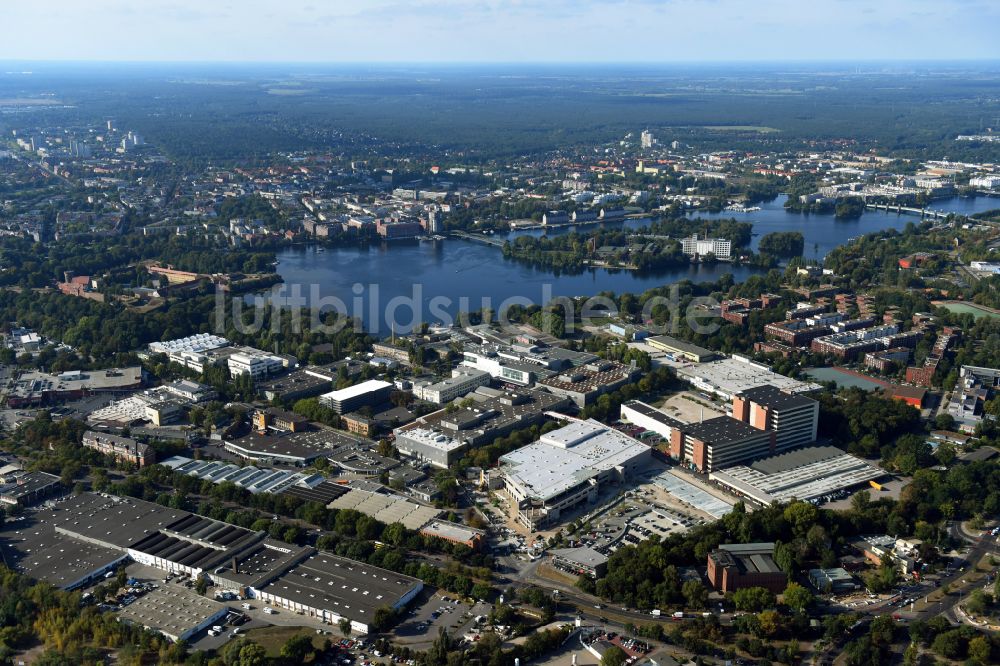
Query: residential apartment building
122	449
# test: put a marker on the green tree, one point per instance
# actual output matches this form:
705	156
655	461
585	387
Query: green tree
753	599
382	617
981	650
252	654
976	603
694	593
614	656
345	626
797	597
297	648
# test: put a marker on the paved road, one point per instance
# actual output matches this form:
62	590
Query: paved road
959	581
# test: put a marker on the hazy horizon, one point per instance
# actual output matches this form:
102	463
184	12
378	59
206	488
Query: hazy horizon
500	31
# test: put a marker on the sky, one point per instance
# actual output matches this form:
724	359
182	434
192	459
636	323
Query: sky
467	31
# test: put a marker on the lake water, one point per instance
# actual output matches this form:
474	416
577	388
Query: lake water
822	232
430	281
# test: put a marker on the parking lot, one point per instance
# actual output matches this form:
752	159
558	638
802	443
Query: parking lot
644	512
420	626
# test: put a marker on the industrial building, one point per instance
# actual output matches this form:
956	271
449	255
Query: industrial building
174	611
34	548
582	561
29	488
833	581
463	380
253	362
248	477
37	388
733	566
520	363
650	418
975	386
386	508
805	474
720	442
289	448
435	447
190	391
369	393
567	468
329	588
584	384
793	417
307	382
455	533
493	413
727	377
95	533
149	406
680	349
361	459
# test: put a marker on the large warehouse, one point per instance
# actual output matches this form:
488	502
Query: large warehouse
370	393
90	534
330	588
175	611
728	376
568	467
804	474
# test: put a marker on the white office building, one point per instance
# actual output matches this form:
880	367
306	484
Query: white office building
424	444
462	381
985	182
255	363
720	247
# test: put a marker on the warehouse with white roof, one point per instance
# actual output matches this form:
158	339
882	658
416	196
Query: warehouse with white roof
568	467
806	474
369	393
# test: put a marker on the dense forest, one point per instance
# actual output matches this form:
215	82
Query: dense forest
231	113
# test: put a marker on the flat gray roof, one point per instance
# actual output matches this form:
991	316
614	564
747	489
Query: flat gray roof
722	429
775	398
680	345
584	556
348	588
35	549
173	610
791	459
116	522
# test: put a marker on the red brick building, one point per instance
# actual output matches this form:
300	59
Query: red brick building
734	566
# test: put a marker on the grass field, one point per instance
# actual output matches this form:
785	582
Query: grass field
272	638
969	308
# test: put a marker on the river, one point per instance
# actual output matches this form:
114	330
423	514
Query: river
427	281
